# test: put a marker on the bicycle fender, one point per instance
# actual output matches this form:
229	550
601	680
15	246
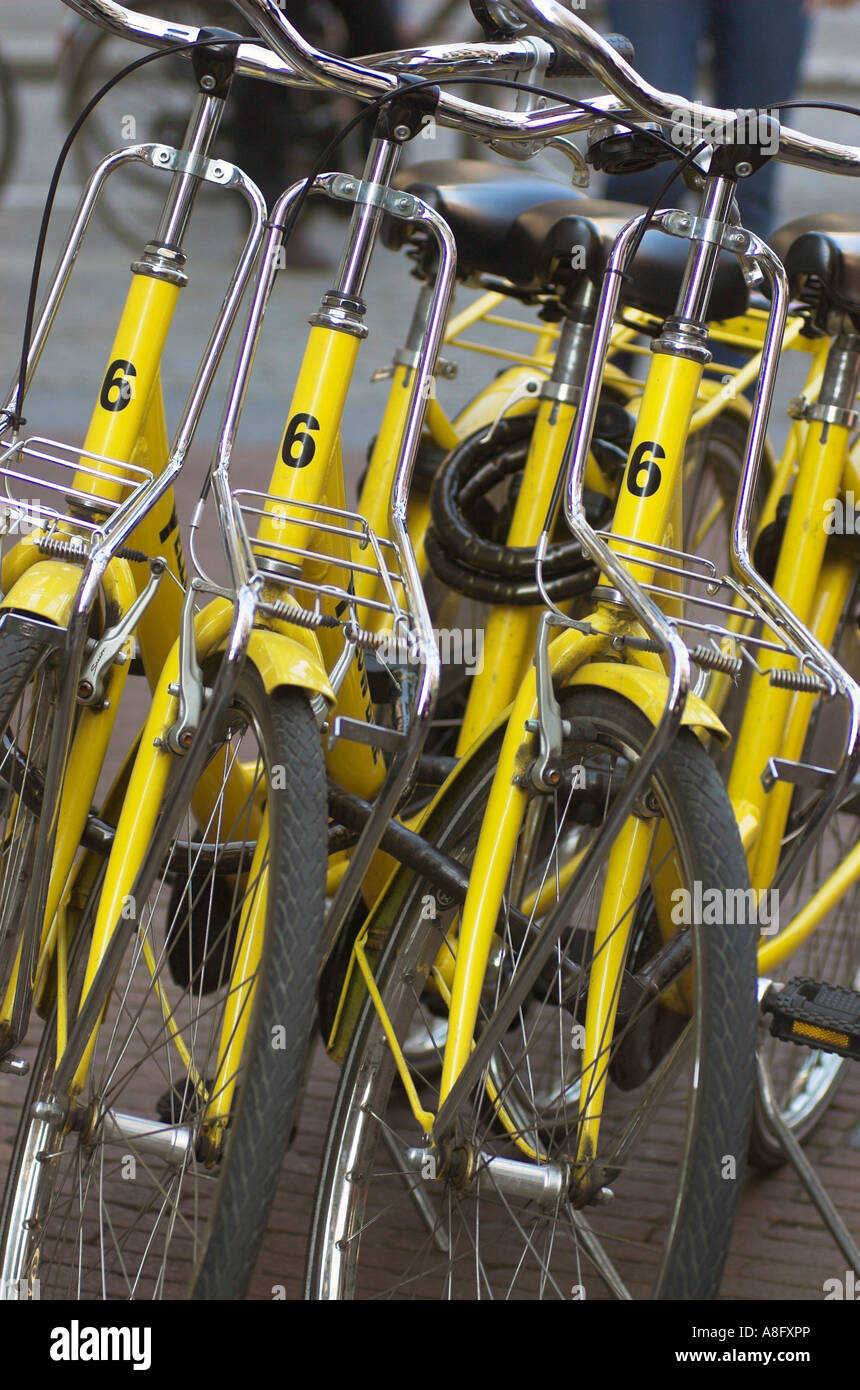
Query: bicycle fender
507	394
46	587
649	691
281	660
46	590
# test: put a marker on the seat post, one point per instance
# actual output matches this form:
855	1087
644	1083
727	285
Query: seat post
841	381
574	345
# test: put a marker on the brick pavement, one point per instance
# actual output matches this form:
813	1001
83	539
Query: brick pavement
780	1249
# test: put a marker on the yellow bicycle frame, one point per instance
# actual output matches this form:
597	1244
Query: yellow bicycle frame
670	409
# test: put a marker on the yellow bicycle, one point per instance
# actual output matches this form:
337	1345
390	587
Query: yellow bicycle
533	1050
172	936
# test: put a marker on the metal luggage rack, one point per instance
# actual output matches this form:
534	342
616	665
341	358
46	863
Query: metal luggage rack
45	499
722	622
330	601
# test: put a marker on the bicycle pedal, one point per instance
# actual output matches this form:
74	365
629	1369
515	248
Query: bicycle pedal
811	1013
797	774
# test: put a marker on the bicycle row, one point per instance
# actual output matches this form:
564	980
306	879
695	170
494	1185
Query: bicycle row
534	910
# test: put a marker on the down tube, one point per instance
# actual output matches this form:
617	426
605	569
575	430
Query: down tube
130	378
648	496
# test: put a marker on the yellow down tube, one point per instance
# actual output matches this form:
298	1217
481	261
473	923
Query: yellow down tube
301	470
647	500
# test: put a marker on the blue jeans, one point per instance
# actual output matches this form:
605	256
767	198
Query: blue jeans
757	51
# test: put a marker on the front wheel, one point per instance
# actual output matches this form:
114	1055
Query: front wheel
498	1215
29	694
157	1180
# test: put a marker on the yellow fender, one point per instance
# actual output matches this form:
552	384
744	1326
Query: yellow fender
46	590
281	660
497	400
649	691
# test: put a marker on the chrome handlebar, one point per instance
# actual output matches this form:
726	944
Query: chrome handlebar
559	25
290	60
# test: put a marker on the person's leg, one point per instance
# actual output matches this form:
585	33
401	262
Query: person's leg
272	144
666	35
372	25
758	49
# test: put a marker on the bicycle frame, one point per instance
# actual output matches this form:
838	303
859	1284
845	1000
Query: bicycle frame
253	624
126	450
647	509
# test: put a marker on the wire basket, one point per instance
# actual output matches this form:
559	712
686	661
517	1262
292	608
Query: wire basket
722	622
50	487
323	566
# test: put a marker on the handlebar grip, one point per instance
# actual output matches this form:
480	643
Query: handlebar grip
566	64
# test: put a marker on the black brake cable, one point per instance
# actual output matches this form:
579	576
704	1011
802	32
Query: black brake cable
810	106
14	417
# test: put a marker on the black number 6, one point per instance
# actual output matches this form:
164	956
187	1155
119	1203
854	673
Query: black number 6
298	432
117	378
640	464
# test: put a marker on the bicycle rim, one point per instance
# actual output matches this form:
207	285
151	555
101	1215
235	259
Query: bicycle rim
387	1224
136	1193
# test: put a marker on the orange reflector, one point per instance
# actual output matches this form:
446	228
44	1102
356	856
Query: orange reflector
822	1035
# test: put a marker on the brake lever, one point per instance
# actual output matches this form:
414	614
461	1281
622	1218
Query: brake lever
528	100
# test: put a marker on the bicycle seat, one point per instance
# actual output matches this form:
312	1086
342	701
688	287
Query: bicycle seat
821	255
526	227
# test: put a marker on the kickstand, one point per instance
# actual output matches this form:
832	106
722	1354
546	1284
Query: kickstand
807	1174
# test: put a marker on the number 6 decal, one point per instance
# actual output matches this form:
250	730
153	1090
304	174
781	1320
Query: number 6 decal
641	465
298	433
118	385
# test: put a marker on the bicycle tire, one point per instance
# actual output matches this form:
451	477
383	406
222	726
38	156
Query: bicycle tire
91	1239
28	690
364	1219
